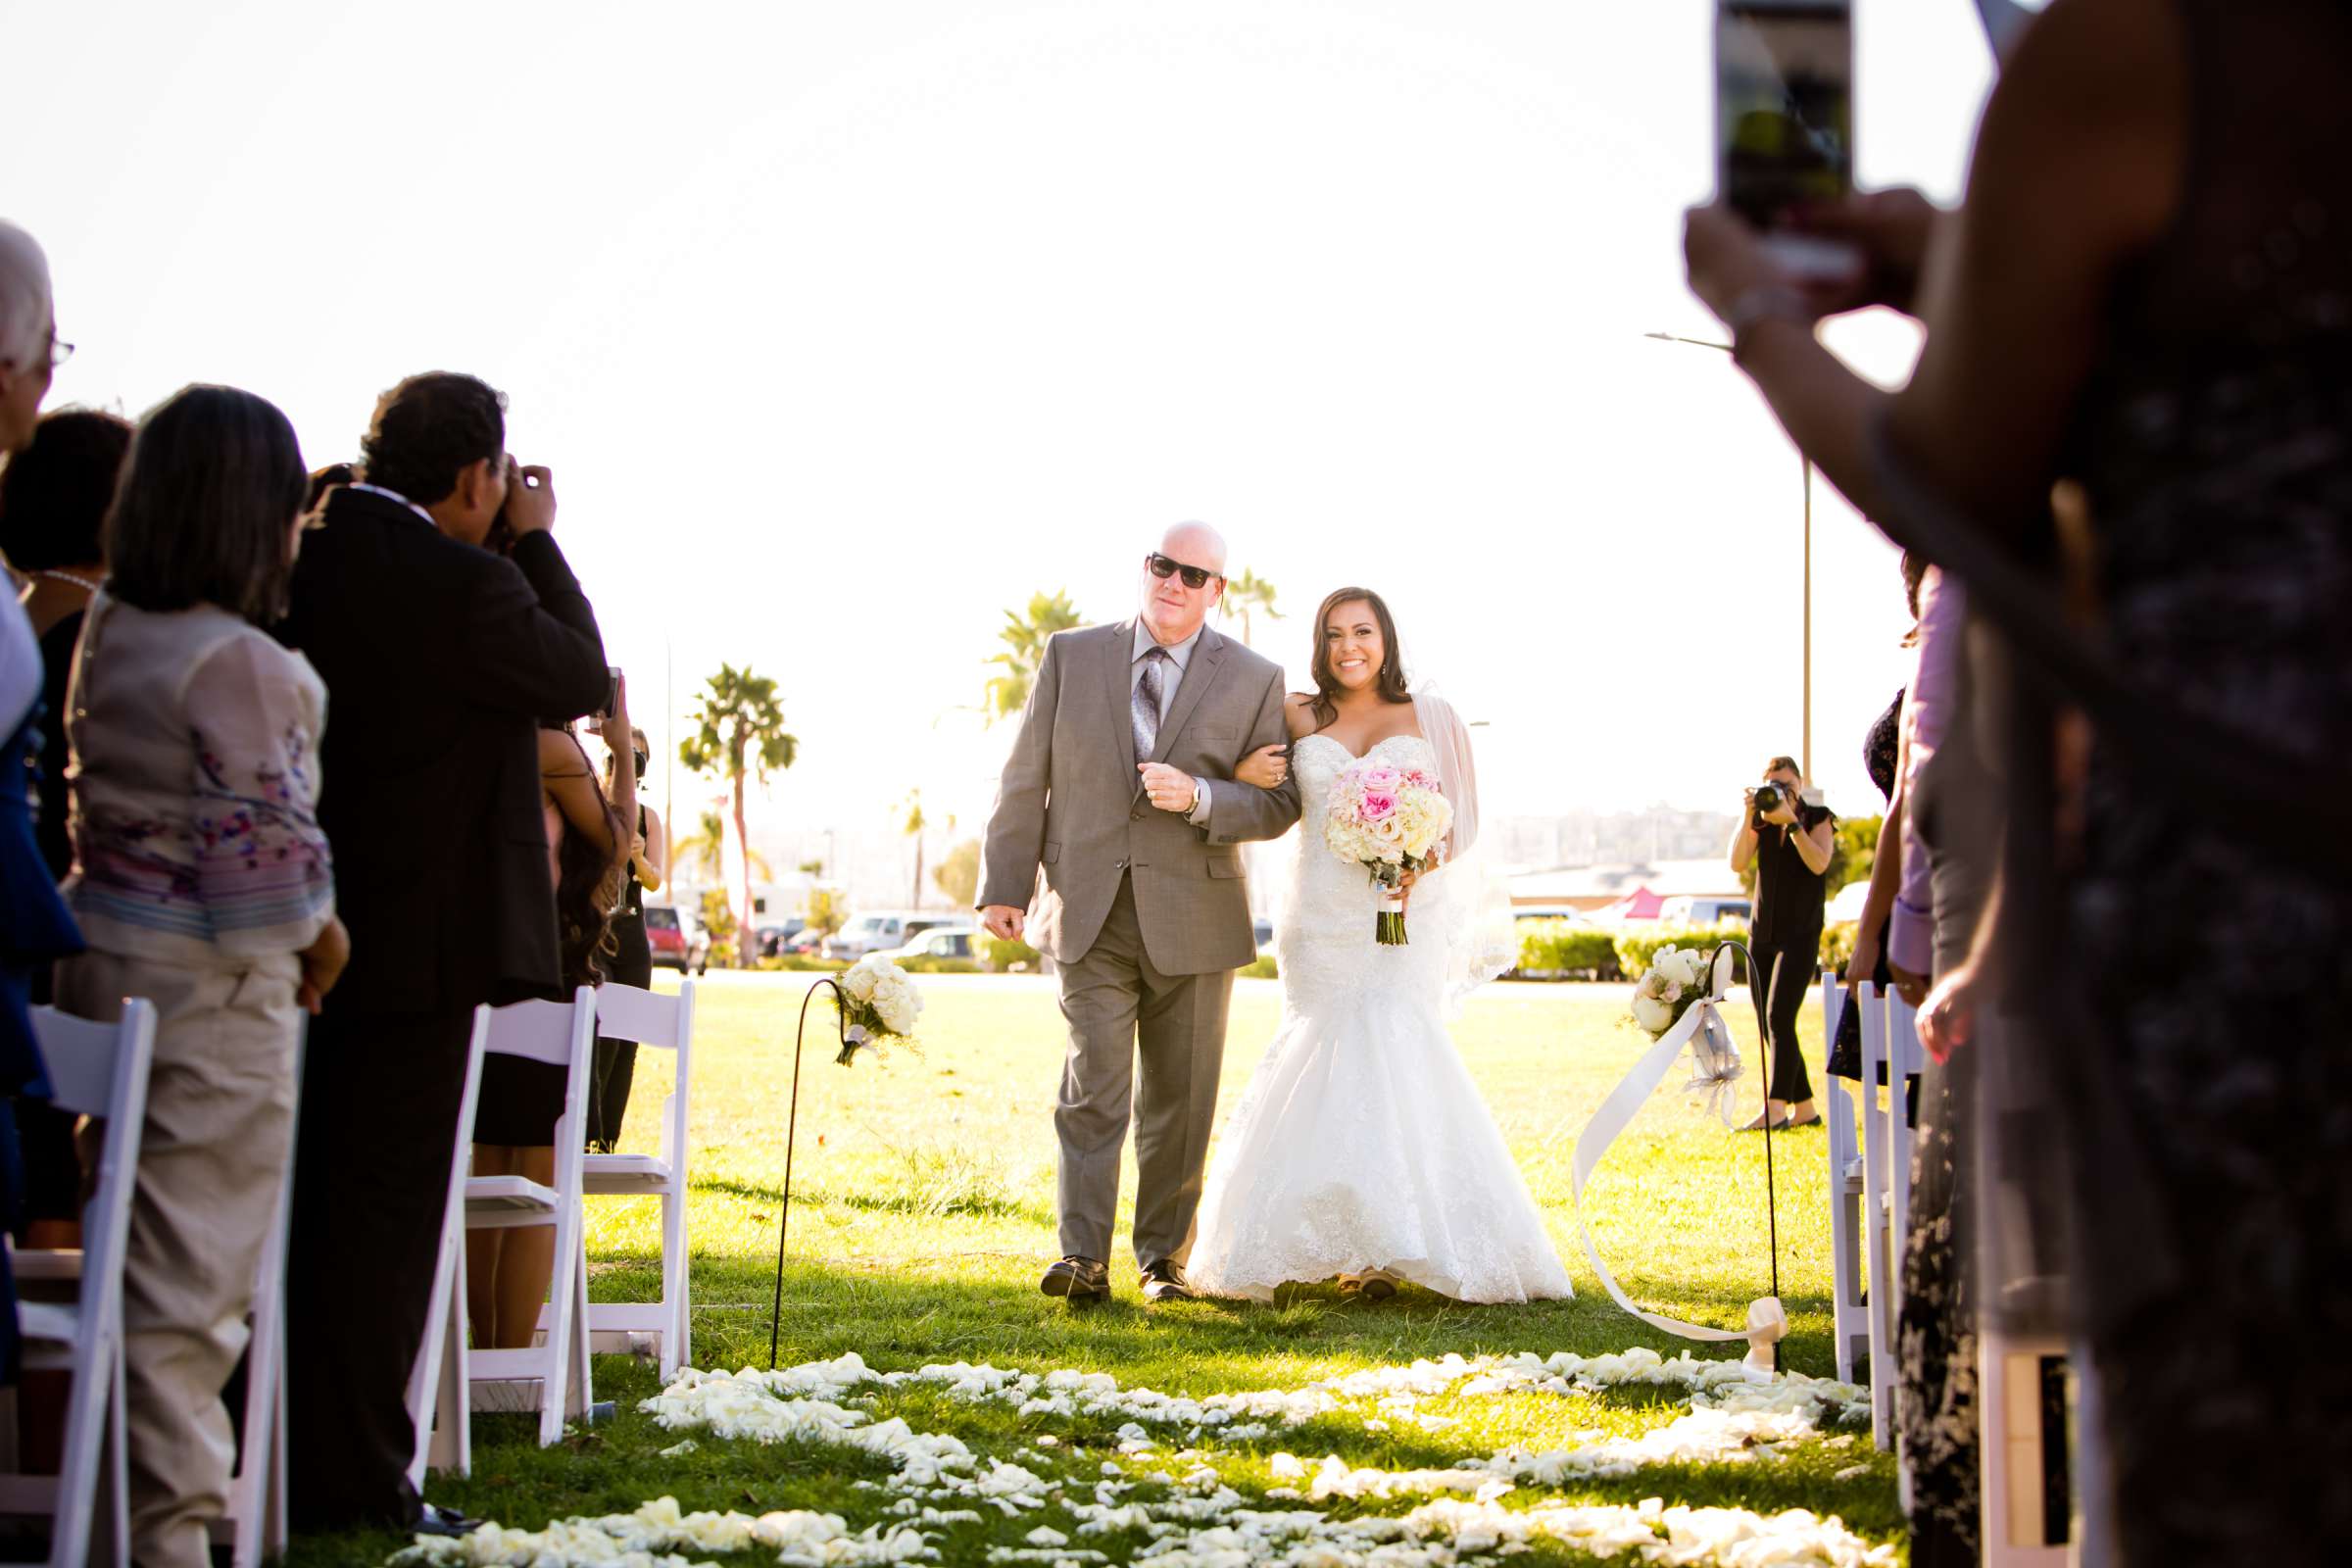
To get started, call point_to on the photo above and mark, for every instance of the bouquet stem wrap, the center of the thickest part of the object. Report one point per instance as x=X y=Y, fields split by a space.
x=1388 y=926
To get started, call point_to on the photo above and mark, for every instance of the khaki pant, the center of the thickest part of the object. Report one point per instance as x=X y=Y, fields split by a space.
x=212 y=1161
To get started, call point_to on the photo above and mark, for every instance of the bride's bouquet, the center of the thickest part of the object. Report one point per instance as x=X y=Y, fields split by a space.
x=1390 y=820
x=881 y=1006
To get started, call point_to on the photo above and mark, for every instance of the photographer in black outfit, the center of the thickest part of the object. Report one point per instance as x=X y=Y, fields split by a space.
x=1788 y=841
x=441 y=659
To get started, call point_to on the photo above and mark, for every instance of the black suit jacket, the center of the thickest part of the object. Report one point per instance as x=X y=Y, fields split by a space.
x=439 y=658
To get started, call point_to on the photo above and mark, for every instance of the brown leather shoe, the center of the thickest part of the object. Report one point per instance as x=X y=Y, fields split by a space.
x=1080 y=1279
x=1164 y=1281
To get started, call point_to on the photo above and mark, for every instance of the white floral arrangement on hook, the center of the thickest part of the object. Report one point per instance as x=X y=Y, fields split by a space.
x=1674 y=983
x=878 y=1004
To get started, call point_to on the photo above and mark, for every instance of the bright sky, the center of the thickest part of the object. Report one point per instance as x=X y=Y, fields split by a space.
x=846 y=326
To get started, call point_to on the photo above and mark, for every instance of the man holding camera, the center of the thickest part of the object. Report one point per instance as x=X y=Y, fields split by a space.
x=1788 y=841
x=441 y=655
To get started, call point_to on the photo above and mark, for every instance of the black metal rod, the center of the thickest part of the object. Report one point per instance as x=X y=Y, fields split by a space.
x=792 y=1122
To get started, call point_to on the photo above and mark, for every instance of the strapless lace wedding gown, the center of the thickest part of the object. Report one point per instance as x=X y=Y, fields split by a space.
x=1361 y=1141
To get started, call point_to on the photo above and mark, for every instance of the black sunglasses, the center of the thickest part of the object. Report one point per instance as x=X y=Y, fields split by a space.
x=1193 y=577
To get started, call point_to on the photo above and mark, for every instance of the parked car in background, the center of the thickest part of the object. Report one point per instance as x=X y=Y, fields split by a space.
x=1692 y=910
x=809 y=943
x=1263 y=930
x=882 y=931
x=1547 y=911
x=775 y=934
x=678 y=940
x=939 y=942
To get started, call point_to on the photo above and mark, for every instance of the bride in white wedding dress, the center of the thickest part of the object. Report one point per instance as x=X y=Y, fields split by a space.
x=1361 y=1147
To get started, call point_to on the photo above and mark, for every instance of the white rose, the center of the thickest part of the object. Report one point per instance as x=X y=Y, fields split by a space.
x=1652 y=1016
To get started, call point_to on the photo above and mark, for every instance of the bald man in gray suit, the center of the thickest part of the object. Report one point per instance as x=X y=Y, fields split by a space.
x=1120 y=787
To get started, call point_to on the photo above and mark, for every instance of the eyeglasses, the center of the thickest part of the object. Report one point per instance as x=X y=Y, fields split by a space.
x=1193 y=577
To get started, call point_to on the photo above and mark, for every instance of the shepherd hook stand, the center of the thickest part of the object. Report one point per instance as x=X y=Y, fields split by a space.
x=1772 y=1207
x=841 y=1017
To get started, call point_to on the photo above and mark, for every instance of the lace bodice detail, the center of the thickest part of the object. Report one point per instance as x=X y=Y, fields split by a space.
x=1323 y=929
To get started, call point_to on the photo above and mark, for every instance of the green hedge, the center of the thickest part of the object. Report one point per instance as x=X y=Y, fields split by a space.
x=800 y=962
x=1261 y=969
x=1837 y=945
x=1636 y=946
x=935 y=964
x=1567 y=947
x=1002 y=955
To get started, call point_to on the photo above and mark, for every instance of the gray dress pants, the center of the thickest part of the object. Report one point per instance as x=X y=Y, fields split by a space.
x=1122 y=1010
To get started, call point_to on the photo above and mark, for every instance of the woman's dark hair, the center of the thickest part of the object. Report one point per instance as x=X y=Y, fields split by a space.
x=587 y=890
x=54 y=494
x=430 y=429
x=334 y=477
x=206 y=507
x=1393 y=687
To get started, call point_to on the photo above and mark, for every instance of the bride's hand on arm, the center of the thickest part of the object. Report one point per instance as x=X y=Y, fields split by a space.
x=1266 y=768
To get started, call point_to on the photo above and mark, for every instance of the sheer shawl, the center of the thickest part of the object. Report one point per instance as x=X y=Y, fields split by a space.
x=1464 y=902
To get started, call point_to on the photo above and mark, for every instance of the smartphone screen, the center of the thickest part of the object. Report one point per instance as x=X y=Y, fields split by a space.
x=1783 y=103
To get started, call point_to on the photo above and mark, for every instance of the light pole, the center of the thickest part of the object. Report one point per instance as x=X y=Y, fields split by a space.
x=1808 y=758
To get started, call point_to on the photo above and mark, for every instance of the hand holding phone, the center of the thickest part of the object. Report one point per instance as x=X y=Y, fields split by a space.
x=1785 y=124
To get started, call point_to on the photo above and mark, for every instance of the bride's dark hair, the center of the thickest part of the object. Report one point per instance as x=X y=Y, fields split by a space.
x=1392 y=688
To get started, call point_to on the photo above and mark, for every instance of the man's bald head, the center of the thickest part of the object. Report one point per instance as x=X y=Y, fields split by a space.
x=1194 y=544
x=1173 y=608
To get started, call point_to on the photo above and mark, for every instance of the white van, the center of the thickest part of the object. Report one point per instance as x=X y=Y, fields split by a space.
x=883 y=931
x=1690 y=909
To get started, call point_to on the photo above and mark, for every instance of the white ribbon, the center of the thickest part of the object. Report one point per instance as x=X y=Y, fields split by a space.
x=1715 y=1062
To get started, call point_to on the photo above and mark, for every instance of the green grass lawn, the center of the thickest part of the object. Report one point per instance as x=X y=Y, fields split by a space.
x=923 y=1211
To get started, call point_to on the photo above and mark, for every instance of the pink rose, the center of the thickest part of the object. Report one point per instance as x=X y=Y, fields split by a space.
x=1378 y=805
x=1384 y=780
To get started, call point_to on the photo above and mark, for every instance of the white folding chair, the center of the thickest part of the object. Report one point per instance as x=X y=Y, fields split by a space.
x=95 y=1070
x=564 y=1036
x=1891 y=1050
x=438 y=1381
x=663 y=1023
x=1849 y=1311
x=254 y=1524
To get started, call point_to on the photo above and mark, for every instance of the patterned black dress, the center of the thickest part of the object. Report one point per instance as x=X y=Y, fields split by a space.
x=2216 y=452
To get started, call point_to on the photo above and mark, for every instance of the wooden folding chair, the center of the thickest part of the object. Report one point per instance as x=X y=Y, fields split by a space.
x=662 y=1023
x=438 y=1379
x=95 y=1070
x=554 y=1371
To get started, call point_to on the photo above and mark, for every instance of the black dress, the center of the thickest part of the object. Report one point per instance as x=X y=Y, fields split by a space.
x=1786 y=942
x=1882 y=750
x=2215 y=447
x=52 y=1164
x=632 y=965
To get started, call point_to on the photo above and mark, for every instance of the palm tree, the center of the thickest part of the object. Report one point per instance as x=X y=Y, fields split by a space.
x=1024 y=637
x=1249 y=592
x=741 y=735
x=913 y=828
x=707 y=850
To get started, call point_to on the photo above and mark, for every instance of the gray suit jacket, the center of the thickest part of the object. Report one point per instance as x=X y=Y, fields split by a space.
x=1072 y=803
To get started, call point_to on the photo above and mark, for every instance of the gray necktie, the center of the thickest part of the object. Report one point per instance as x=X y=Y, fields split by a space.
x=1144 y=708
